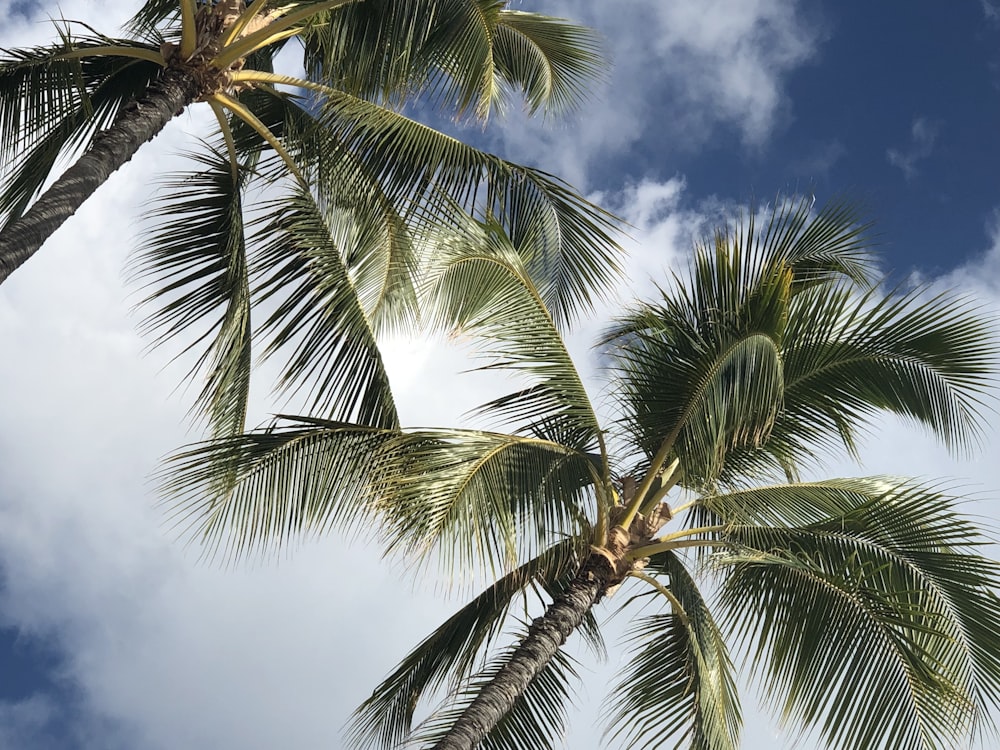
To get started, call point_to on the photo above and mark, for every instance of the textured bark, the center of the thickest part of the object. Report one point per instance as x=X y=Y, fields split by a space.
x=136 y=123
x=545 y=636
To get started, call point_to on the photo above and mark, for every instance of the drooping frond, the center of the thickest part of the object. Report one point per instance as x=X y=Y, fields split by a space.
x=464 y=56
x=476 y=497
x=573 y=257
x=305 y=478
x=479 y=286
x=679 y=688
x=866 y=605
x=329 y=276
x=450 y=654
x=52 y=106
x=194 y=262
x=931 y=360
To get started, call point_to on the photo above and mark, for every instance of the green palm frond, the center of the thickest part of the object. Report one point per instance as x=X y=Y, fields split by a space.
x=885 y=566
x=307 y=477
x=329 y=276
x=194 y=260
x=481 y=497
x=571 y=253
x=464 y=56
x=451 y=653
x=679 y=687
x=536 y=720
x=52 y=106
x=931 y=360
x=551 y=61
x=479 y=286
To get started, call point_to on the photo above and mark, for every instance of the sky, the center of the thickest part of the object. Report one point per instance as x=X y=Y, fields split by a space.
x=113 y=635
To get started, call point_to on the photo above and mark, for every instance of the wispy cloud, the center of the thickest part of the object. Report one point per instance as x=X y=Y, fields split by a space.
x=923 y=136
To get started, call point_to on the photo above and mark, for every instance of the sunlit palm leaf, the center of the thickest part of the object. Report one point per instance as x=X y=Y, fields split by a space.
x=479 y=497
x=451 y=652
x=194 y=260
x=319 y=319
x=305 y=478
x=572 y=255
x=479 y=287
x=886 y=567
x=679 y=689
x=51 y=107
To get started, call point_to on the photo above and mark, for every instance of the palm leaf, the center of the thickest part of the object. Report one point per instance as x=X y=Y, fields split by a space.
x=329 y=277
x=480 y=497
x=479 y=286
x=573 y=257
x=52 y=107
x=194 y=259
x=679 y=686
x=886 y=567
x=309 y=476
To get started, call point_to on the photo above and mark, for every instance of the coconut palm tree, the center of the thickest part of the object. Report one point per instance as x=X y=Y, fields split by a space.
x=349 y=182
x=862 y=605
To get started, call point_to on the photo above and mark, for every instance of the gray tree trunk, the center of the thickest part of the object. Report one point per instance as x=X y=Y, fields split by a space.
x=546 y=634
x=136 y=123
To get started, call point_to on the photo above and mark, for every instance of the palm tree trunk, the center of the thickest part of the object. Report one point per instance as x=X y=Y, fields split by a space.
x=137 y=122
x=546 y=634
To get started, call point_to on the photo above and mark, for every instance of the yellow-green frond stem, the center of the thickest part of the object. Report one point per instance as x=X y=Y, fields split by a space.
x=675 y=603
x=189 y=33
x=655 y=467
x=280 y=28
x=261 y=129
x=677 y=540
x=245 y=18
x=113 y=50
x=669 y=478
x=276 y=79
x=227 y=135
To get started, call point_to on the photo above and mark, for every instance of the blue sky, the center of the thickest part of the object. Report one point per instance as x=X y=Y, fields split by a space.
x=112 y=636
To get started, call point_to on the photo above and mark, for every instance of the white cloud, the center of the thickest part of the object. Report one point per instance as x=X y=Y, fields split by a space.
x=923 y=135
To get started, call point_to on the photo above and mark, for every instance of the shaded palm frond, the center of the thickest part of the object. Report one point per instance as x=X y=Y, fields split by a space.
x=679 y=687
x=885 y=566
x=479 y=286
x=52 y=107
x=570 y=252
x=479 y=497
x=329 y=276
x=194 y=261
x=450 y=654
x=307 y=477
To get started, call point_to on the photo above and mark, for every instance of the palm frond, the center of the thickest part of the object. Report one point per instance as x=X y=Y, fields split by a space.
x=307 y=477
x=329 y=276
x=679 y=687
x=478 y=286
x=887 y=567
x=573 y=256
x=194 y=259
x=480 y=497
x=52 y=106
x=452 y=651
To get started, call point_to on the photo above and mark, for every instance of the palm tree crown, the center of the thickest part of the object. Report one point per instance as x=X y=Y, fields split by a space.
x=314 y=200
x=862 y=605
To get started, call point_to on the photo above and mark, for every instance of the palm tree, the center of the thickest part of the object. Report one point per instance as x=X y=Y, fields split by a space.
x=861 y=604
x=312 y=200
